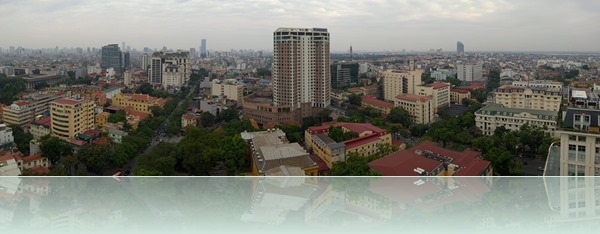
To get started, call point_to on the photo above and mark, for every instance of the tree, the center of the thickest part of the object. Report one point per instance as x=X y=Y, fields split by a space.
x=120 y=116
x=399 y=115
x=310 y=121
x=229 y=115
x=337 y=134
x=503 y=162
x=418 y=130
x=145 y=88
x=54 y=148
x=207 y=119
x=71 y=74
x=292 y=132
x=21 y=138
x=324 y=115
x=40 y=86
x=10 y=88
x=355 y=99
x=261 y=72
x=95 y=157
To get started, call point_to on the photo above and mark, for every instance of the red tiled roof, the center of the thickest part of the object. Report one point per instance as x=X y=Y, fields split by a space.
x=93 y=132
x=101 y=141
x=356 y=142
x=115 y=108
x=402 y=163
x=397 y=143
x=463 y=91
x=21 y=103
x=320 y=162
x=189 y=116
x=39 y=170
x=77 y=142
x=32 y=157
x=371 y=99
x=354 y=127
x=438 y=85
x=66 y=101
x=413 y=98
x=47 y=121
x=7 y=157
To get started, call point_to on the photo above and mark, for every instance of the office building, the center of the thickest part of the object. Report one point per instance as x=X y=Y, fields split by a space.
x=203 y=52
x=139 y=102
x=111 y=57
x=469 y=72
x=400 y=82
x=458 y=95
x=231 y=89
x=127 y=77
x=460 y=48
x=145 y=62
x=439 y=92
x=22 y=112
x=492 y=116
x=170 y=69
x=535 y=98
x=420 y=108
x=580 y=143
x=343 y=74
x=126 y=60
x=71 y=117
x=370 y=101
x=193 y=53
x=443 y=74
x=155 y=71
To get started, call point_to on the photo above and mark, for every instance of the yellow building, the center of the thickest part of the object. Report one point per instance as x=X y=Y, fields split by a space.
x=440 y=93
x=139 y=102
x=270 y=149
x=547 y=99
x=400 y=82
x=101 y=119
x=366 y=144
x=189 y=120
x=372 y=102
x=420 y=108
x=70 y=117
x=457 y=95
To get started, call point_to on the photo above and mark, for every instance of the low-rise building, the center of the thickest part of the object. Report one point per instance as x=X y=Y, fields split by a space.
x=6 y=135
x=41 y=127
x=429 y=159
x=188 y=119
x=372 y=102
x=366 y=144
x=9 y=166
x=419 y=107
x=458 y=95
x=439 y=92
x=580 y=143
x=230 y=88
x=139 y=102
x=271 y=149
x=101 y=119
x=492 y=116
x=400 y=82
x=542 y=84
x=116 y=135
x=529 y=98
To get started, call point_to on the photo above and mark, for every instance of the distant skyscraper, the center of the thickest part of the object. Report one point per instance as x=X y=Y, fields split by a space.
x=155 y=71
x=460 y=48
x=111 y=57
x=145 y=62
x=203 y=48
x=193 y=52
x=123 y=46
x=469 y=72
x=126 y=60
x=301 y=76
x=343 y=74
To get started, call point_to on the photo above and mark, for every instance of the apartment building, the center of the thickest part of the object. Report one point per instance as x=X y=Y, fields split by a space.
x=400 y=82
x=492 y=116
x=469 y=71
x=420 y=107
x=230 y=88
x=330 y=151
x=24 y=111
x=534 y=98
x=6 y=135
x=439 y=92
x=139 y=102
x=71 y=117
x=580 y=143
x=41 y=127
x=541 y=84
x=457 y=95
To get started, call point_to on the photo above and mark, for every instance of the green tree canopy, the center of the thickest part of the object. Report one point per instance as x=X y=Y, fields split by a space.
x=54 y=148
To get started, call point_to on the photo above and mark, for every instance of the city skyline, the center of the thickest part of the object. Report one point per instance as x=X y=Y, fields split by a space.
x=507 y=25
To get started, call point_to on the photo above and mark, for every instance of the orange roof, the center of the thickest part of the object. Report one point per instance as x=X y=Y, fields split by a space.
x=463 y=91
x=44 y=121
x=7 y=157
x=101 y=141
x=438 y=85
x=68 y=101
x=39 y=170
x=370 y=99
x=189 y=116
x=413 y=98
x=77 y=142
x=32 y=157
x=21 y=103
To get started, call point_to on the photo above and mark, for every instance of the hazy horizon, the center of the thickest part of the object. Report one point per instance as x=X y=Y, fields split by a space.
x=373 y=26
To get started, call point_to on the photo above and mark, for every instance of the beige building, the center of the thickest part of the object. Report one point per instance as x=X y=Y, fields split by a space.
x=440 y=93
x=188 y=120
x=492 y=116
x=580 y=143
x=101 y=119
x=139 y=102
x=535 y=98
x=40 y=127
x=71 y=117
x=230 y=88
x=400 y=82
x=457 y=95
x=420 y=107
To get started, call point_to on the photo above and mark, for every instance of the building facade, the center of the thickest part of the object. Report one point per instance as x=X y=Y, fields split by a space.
x=6 y=135
x=400 y=82
x=370 y=101
x=580 y=143
x=112 y=57
x=457 y=95
x=548 y=99
x=301 y=70
x=343 y=74
x=469 y=72
x=139 y=102
x=230 y=88
x=71 y=117
x=439 y=92
x=420 y=108
x=492 y=116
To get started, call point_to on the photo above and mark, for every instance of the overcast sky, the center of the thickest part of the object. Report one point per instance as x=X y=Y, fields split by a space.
x=379 y=25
